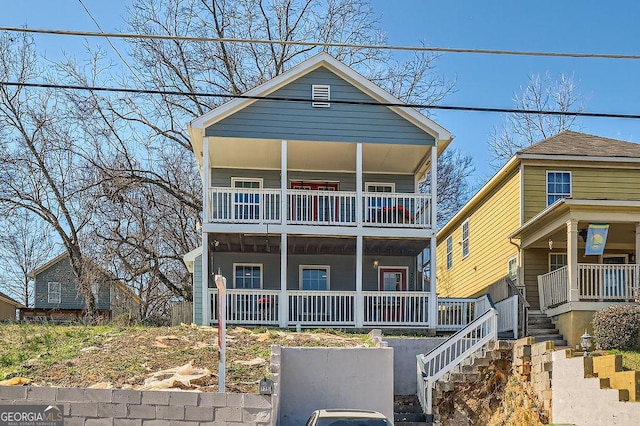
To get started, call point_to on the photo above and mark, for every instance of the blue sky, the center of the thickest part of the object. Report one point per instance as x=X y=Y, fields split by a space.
x=586 y=26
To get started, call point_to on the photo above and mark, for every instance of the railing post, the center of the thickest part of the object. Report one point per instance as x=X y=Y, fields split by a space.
x=572 y=261
x=283 y=313
x=515 y=316
x=359 y=318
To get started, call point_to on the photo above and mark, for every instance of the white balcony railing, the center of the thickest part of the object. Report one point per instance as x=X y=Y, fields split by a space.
x=307 y=207
x=453 y=314
x=401 y=308
x=248 y=306
x=323 y=308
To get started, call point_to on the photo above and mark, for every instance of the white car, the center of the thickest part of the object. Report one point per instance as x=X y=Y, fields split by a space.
x=334 y=417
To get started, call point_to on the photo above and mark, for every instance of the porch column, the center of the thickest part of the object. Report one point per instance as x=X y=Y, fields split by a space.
x=433 y=298
x=637 y=252
x=359 y=296
x=359 y=186
x=284 y=164
x=283 y=306
x=206 y=183
x=572 y=260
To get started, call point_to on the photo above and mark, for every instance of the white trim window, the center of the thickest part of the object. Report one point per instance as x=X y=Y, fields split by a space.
x=246 y=205
x=557 y=261
x=314 y=277
x=512 y=269
x=558 y=186
x=54 y=292
x=247 y=275
x=379 y=187
x=465 y=238
x=450 y=252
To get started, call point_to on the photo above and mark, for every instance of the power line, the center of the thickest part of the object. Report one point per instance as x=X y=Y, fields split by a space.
x=319 y=44
x=345 y=102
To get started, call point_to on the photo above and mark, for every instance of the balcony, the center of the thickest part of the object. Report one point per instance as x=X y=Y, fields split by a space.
x=323 y=208
x=596 y=282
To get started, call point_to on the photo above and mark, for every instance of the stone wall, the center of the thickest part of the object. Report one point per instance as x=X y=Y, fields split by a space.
x=533 y=363
x=98 y=407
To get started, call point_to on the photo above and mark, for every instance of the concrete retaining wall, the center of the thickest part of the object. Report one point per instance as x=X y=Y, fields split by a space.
x=313 y=378
x=98 y=407
x=405 y=350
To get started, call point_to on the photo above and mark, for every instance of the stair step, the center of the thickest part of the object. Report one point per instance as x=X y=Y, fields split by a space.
x=544 y=332
x=541 y=326
x=413 y=423
x=408 y=417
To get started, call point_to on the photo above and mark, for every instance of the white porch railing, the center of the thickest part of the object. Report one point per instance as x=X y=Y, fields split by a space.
x=596 y=282
x=313 y=207
x=553 y=288
x=453 y=314
x=323 y=308
x=508 y=315
x=396 y=308
x=442 y=359
x=247 y=306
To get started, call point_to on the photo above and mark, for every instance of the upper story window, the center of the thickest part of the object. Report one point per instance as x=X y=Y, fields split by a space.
x=254 y=183
x=246 y=204
x=54 y=292
x=450 y=252
x=321 y=95
x=379 y=187
x=247 y=275
x=465 y=238
x=558 y=186
x=557 y=261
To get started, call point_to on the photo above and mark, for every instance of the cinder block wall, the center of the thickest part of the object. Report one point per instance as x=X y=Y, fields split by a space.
x=98 y=407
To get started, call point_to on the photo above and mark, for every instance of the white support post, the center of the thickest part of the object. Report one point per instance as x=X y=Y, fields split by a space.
x=206 y=183
x=359 y=186
x=284 y=197
x=636 y=285
x=359 y=295
x=433 y=298
x=637 y=251
x=514 y=313
x=221 y=284
x=572 y=260
x=283 y=307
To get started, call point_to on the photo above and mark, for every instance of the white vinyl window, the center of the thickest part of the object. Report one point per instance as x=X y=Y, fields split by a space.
x=512 y=269
x=557 y=261
x=450 y=252
x=465 y=238
x=379 y=187
x=54 y=292
x=558 y=186
x=314 y=277
x=321 y=95
x=247 y=275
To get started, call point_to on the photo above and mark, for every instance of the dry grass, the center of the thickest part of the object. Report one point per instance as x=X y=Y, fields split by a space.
x=81 y=356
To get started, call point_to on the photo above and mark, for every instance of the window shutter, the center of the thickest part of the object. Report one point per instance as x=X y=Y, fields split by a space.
x=321 y=95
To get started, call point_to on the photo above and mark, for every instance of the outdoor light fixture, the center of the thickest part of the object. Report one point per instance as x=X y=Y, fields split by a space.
x=550 y=244
x=376 y=263
x=586 y=340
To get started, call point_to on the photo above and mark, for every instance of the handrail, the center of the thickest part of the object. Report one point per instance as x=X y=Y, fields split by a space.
x=525 y=307
x=447 y=355
x=517 y=291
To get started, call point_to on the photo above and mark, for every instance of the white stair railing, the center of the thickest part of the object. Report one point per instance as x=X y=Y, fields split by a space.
x=450 y=353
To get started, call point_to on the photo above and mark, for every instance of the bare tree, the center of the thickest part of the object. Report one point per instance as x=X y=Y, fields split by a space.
x=39 y=172
x=521 y=130
x=25 y=245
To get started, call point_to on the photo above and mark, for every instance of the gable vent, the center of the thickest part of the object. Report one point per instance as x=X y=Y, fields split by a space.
x=321 y=95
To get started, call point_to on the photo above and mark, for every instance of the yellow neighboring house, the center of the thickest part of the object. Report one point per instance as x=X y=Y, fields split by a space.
x=540 y=219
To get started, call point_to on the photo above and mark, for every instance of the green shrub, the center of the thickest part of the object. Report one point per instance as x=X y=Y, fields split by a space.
x=617 y=327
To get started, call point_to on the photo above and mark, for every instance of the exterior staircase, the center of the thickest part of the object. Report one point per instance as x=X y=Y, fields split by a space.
x=408 y=412
x=539 y=325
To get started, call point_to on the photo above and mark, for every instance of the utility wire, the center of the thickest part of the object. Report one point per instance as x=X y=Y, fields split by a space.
x=345 y=102
x=318 y=44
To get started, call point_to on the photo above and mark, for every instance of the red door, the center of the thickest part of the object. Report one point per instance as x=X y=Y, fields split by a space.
x=316 y=208
x=392 y=279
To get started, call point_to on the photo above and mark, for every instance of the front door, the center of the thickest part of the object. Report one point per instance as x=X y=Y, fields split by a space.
x=315 y=208
x=392 y=279
x=614 y=278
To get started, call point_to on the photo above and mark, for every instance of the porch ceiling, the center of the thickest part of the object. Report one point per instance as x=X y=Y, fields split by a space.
x=318 y=156
x=261 y=243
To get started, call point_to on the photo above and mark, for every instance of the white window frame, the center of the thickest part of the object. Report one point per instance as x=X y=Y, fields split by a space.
x=391 y=185
x=259 y=265
x=243 y=179
x=449 y=252
x=325 y=267
x=320 y=95
x=558 y=254
x=465 y=240
x=51 y=293
x=546 y=187
x=514 y=277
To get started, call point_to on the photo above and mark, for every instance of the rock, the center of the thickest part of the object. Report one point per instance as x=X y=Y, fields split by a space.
x=15 y=381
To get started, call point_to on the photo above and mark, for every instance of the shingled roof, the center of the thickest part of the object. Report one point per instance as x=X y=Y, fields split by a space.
x=581 y=144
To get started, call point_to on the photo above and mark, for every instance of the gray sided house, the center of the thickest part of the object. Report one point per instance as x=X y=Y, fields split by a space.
x=57 y=296
x=312 y=210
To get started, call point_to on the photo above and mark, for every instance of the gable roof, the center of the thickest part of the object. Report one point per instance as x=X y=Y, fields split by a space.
x=570 y=143
x=197 y=126
x=11 y=301
x=47 y=265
